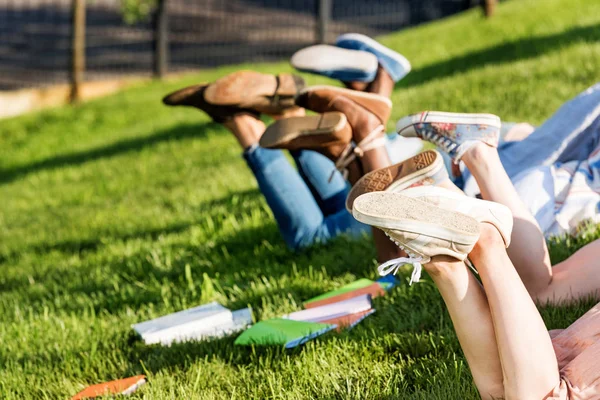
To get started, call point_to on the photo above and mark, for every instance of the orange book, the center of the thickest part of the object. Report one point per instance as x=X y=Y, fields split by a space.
x=120 y=386
x=348 y=321
x=373 y=289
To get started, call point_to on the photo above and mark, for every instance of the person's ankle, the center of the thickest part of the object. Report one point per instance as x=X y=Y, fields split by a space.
x=246 y=128
x=442 y=266
x=489 y=239
x=477 y=153
x=383 y=84
x=366 y=123
x=359 y=86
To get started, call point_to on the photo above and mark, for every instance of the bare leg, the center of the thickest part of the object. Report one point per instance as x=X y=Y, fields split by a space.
x=246 y=128
x=467 y=303
x=528 y=250
x=575 y=278
x=519 y=132
x=360 y=86
x=383 y=83
x=528 y=360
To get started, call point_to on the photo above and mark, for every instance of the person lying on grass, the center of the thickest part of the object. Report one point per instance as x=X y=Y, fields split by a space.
x=472 y=139
x=308 y=202
x=554 y=167
x=509 y=351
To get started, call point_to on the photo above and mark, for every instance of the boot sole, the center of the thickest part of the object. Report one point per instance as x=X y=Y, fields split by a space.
x=405 y=126
x=395 y=211
x=396 y=177
x=285 y=130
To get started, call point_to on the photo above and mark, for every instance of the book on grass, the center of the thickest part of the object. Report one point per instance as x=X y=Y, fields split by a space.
x=282 y=332
x=241 y=319
x=113 y=388
x=348 y=321
x=332 y=311
x=355 y=289
x=208 y=320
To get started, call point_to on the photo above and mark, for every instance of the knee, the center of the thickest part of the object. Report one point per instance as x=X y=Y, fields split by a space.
x=489 y=239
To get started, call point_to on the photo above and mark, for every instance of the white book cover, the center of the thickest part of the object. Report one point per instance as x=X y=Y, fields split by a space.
x=241 y=320
x=335 y=310
x=183 y=322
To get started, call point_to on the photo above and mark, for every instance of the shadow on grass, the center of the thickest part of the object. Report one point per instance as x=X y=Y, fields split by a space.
x=506 y=52
x=81 y=246
x=123 y=146
x=242 y=257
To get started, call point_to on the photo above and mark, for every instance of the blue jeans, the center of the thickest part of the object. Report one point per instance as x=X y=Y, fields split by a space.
x=307 y=207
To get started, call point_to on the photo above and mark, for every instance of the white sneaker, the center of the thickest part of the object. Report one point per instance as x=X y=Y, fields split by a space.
x=483 y=211
x=419 y=228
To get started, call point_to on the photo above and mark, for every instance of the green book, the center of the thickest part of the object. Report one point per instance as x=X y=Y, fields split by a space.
x=282 y=332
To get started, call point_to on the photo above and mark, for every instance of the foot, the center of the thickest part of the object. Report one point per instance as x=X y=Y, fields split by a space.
x=452 y=132
x=426 y=168
x=336 y=63
x=395 y=64
x=242 y=91
x=483 y=211
x=417 y=227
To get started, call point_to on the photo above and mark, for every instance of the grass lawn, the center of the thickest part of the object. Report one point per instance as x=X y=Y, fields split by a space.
x=121 y=209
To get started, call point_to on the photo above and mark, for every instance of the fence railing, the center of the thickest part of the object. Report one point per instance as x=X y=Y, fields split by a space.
x=44 y=42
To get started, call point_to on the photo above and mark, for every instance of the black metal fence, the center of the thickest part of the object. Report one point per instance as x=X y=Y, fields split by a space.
x=36 y=35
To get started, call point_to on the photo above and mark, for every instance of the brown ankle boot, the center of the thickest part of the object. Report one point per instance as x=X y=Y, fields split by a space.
x=193 y=96
x=321 y=99
x=328 y=133
x=241 y=92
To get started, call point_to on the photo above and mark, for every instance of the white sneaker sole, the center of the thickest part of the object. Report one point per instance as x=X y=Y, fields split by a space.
x=379 y=47
x=324 y=57
x=395 y=211
x=496 y=213
x=405 y=126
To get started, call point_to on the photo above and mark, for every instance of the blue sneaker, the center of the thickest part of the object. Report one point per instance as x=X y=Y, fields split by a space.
x=336 y=63
x=394 y=63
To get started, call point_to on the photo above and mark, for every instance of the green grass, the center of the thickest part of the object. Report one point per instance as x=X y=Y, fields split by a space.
x=120 y=210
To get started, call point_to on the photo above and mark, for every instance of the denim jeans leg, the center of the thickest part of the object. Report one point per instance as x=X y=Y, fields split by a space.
x=300 y=220
x=316 y=170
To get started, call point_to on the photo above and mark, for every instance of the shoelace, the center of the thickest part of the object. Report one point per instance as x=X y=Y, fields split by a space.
x=392 y=266
x=442 y=141
x=416 y=260
x=370 y=142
